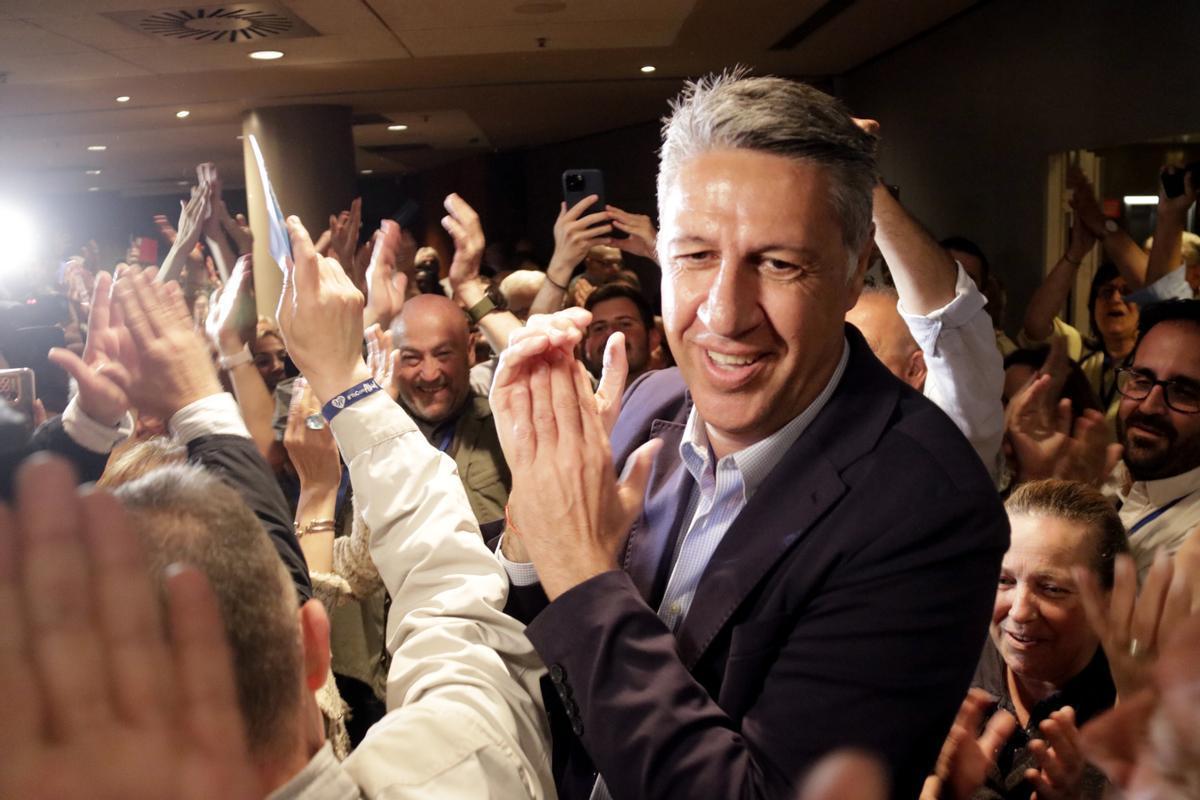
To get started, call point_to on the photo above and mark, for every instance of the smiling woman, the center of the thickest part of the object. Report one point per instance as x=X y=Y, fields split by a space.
x=1043 y=655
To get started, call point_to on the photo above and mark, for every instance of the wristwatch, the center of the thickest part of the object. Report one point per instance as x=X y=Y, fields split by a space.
x=1111 y=226
x=481 y=309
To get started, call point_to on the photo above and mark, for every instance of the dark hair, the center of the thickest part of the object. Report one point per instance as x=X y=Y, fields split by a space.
x=1168 y=311
x=1076 y=387
x=965 y=245
x=1080 y=503
x=1107 y=272
x=615 y=289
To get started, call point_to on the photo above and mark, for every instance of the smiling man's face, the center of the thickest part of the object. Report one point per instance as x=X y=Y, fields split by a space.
x=755 y=288
x=1159 y=441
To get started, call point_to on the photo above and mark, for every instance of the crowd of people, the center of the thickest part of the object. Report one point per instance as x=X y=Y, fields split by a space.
x=811 y=527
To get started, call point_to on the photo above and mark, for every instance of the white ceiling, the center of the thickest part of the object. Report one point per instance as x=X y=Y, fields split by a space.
x=462 y=74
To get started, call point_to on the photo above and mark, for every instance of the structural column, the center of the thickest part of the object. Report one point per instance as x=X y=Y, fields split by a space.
x=309 y=152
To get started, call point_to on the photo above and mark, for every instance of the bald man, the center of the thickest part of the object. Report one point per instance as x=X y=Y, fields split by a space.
x=876 y=317
x=432 y=336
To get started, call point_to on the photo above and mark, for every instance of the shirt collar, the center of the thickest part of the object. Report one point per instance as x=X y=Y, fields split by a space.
x=1162 y=491
x=756 y=461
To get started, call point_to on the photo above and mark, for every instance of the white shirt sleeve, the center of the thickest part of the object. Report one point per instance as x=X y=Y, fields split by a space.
x=1172 y=286
x=92 y=435
x=208 y=416
x=462 y=671
x=964 y=369
x=519 y=573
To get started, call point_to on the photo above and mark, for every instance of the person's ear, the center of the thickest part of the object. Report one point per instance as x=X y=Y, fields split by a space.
x=472 y=341
x=916 y=370
x=314 y=636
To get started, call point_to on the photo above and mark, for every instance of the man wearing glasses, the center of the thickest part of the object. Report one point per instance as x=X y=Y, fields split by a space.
x=1159 y=427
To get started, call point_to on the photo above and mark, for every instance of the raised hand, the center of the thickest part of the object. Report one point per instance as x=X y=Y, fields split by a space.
x=963 y=764
x=643 y=238
x=1047 y=445
x=107 y=699
x=575 y=233
x=386 y=286
x=1084 y=203
x=170 y=365
x=103 y=382
x=383 y=360
x=166 y=228
x=1132 y=625
x=462 y=223
x=317 y=289
x=567 y=509
x=232 y=316
x=344 y=230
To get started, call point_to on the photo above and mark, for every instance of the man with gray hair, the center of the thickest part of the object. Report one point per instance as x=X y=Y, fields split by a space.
x=758 y=588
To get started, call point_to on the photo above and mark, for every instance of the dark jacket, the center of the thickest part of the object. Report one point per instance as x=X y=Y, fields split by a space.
x=845 y=607
x=1090 y=693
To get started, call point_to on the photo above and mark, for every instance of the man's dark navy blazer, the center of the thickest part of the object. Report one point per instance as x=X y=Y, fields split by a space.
x=846 y=606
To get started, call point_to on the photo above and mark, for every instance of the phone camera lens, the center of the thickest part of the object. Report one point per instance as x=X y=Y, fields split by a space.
x=574 y=182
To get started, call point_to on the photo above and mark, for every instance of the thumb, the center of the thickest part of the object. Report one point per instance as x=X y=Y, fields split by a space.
x=631 y=490
x=612 y=380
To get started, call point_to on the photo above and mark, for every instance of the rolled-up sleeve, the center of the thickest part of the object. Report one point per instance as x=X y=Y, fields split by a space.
x=964 y=369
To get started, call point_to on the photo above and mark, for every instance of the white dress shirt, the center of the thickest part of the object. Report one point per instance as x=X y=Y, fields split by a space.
x=964 y=370
x=1158 y=515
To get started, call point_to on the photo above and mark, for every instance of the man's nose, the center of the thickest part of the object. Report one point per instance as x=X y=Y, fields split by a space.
x=1155 y=402
x=731 y=307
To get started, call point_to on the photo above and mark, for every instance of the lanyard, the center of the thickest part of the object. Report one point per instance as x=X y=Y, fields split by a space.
x=1156 y=513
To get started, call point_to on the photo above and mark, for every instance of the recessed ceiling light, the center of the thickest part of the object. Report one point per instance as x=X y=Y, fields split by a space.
x=93 y=172
x=239 y=137
x=123 y=98
x=181 y=183
x=183 y=114
x=648 y=68
x=93 y=188
x=96 y=148
x=397 y=127
x=366 y=171
x=266 y=55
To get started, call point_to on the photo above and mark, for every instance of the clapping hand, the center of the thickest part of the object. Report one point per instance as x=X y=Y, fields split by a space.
x=103 y=382
x=966 y=756
x=462 y=223
x=1060 y=770
x=169 y=364
x=383 y=360
x=1131 y=624
x=386 y=286
x=232 y=318
x=311 y=449
x=568 y=513
x=106 y=699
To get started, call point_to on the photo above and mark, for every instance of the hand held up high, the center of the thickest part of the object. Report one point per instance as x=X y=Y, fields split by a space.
x=316 y=288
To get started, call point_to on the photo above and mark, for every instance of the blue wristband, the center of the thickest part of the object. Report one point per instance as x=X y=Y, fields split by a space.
x=349 y=397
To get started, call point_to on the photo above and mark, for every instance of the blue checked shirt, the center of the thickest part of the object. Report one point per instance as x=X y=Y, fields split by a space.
x=720 y=494
x=717 y=497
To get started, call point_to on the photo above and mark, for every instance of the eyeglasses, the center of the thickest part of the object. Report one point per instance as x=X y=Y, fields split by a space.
x=1181 y=396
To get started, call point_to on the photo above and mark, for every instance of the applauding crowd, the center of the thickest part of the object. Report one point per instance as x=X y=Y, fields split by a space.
x=802 y=524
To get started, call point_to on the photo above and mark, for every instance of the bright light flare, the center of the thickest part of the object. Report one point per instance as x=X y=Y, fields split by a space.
x=19 y=237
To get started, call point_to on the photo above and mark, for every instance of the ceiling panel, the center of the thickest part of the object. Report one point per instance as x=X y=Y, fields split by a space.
x=410 y=15
x=516 y=39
